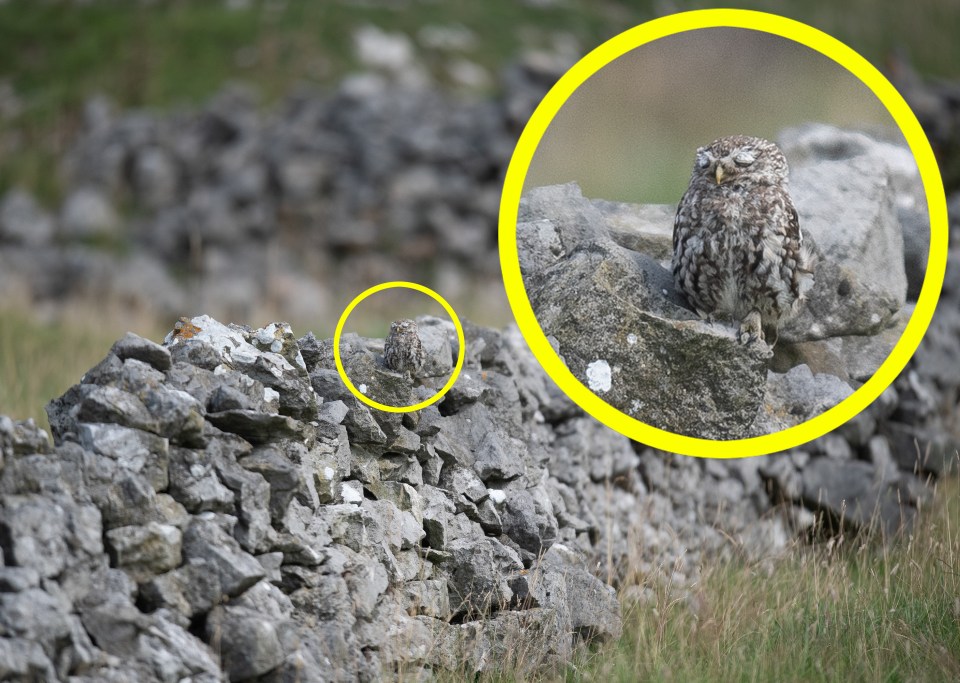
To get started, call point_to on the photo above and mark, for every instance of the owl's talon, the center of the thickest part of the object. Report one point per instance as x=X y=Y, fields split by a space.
x=737 y=243
x=750 y=329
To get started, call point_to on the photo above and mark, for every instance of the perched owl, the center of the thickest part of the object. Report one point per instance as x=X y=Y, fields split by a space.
x=403 y=350
x=737 y=248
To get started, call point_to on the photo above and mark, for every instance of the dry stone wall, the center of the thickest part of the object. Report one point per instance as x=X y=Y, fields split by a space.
x=218 y=507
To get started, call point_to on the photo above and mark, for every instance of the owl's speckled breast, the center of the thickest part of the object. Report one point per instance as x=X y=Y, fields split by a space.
x=737 y=242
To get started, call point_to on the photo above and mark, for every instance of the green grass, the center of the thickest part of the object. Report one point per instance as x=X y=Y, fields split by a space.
x=851 y=610
x=40 y=360
x=847 y=611
x=165 y=54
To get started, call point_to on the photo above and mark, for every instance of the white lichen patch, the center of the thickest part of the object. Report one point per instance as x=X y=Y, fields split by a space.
x=874 y=319
x=350 y=494
x=631 y=339
x=362 y=389
x=599 y=376
x=230 y=342
x=267 y=335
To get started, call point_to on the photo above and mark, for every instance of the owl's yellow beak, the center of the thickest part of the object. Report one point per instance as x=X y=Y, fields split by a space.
x=719 y=174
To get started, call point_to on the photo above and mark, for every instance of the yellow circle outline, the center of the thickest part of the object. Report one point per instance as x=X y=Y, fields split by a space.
x=839 y=53
x=399 y=284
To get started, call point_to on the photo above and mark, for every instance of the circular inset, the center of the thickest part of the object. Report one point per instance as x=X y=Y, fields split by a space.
x=399 y=284
x=535 y=130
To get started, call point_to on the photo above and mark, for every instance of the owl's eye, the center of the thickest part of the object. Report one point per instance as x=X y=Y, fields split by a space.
x=703 y=159
x=744 y=159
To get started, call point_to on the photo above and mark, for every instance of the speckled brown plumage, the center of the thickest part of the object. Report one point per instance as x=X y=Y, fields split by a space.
x=403 y=350
x=737 y=246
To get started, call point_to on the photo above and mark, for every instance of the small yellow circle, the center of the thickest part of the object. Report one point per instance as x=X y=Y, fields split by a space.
x=399 y=285
x=616 y=47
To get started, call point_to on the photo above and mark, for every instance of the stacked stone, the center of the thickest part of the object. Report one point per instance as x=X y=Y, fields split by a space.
x=228 y=205
x=598 y=277
x=220 y=506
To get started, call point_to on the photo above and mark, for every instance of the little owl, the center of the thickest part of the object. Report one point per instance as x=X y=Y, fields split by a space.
x=737 y=248
x=403 y=350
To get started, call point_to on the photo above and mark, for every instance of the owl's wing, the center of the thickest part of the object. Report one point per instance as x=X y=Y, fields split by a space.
x=681 y=228
x=793 y=222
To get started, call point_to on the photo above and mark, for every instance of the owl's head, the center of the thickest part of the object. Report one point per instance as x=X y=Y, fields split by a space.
x=404 y=325
x=739 y=157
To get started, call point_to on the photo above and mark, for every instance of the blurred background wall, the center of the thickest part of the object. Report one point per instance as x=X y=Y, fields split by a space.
x=630 y=132
x=269 y=159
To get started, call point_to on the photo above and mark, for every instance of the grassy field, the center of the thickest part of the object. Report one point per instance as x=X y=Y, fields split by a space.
x=39 y=360
x=847 y=610
x=843 y=611
x=163 y=54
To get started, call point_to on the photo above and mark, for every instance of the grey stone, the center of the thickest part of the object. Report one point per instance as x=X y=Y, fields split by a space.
x=22 y=659
x=451 y=449
x=22 y=221
x=164 y=649
x=115 y=406
x=251 y=497
x=352 y=526
x=463 y=482
x=429 y=598
x=466 y=390
x=593 y=605
x=783 y=480
x=863 y=355
x=881 y=456
x=498 y=457
x=145 y=551
x=33 y=534
x=33 y=617
x=283 y=476
x=405 y=442
x=257 y=427
x=852 y=493
x=135 y=346
x=438 y=356
x=921 y=449
x=140 y=452
x=528 y=520
x=646 y=228
x=16 y=579
x=194 y=482
x=155 y=177
x=405 y=469
x=333 y=412
x=466 y=528
x=834 y=446
x=797 y=396
x=87 y=213
x=236 y=570
x=22 y=437
x=271 y=563
x=438 y=516
x=860 y=282
x=812 y=143
x=190 y=589
x=599 y=287
x=249 y=644
x=478 y=573
x=266 y=599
